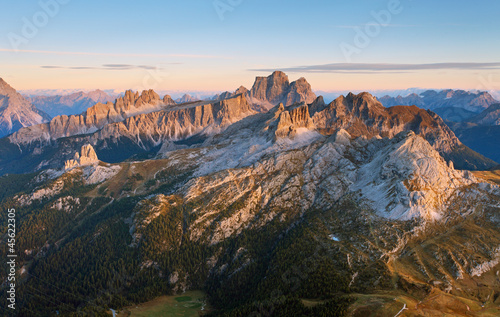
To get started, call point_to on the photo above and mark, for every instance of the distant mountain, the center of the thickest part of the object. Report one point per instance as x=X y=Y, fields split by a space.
x=74 y=103
x=454 y=114
x=481 y=132
x=186 y=98
x=490 y=116
x=452 y=105
x=16 y=112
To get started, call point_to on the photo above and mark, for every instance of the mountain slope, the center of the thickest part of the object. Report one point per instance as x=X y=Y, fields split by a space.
x=16 y=112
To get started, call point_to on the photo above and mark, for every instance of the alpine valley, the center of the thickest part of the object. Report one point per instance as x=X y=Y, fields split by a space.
x=269 y=200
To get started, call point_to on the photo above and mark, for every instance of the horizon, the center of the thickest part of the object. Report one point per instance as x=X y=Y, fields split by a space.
x=217 y=45
x=205 y=94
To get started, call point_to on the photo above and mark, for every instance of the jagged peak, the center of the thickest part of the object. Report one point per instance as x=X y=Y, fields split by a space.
x=86 y=156
x=241 y=90
x=6 y=89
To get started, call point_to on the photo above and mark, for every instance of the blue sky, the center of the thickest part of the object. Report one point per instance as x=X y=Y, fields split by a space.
x=190 y=45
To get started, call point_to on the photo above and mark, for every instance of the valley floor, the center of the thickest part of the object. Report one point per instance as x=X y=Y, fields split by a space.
x=189 y=304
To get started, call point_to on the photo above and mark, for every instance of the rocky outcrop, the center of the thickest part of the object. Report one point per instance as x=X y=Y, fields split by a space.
x=364 y=115
x=293 y=119
x=86 y=156
x=276 y=88
x=16 y=112
x=168 y=101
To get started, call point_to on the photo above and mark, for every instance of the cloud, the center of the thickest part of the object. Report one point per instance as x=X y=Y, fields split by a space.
x=111 y=54
x=385 y=25
x=370 y=68
x=108 y=67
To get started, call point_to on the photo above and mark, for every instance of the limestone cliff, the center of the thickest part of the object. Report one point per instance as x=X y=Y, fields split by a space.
x=86 y=156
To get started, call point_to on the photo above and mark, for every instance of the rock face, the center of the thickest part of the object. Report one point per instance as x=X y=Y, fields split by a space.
x=71 y=104
x=87 y=156
x=168 y=101
x=364 y=115
x=16 y=112
x=177 y=122
x=95 y=118
x=270 y=91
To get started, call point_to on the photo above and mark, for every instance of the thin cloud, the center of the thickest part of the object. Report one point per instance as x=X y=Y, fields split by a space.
x=372 y=24
x=105 y=67
x=384 y=68
x=111 y=54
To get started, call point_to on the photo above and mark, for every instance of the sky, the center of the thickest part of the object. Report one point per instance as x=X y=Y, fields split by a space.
x=218 y=45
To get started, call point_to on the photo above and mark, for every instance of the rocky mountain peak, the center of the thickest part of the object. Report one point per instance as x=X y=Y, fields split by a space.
x=408 y=178
x=5 y=88
x=168 y=101
x=276 y=88
x=86 y=156
x=241 y=90
x=186 y=98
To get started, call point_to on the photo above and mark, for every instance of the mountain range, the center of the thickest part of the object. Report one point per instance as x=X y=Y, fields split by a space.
x=269 y=199
x=139 y=124
x=451 y=105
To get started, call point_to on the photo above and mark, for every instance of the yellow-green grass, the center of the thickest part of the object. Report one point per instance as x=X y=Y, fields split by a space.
x=189 y=304
x=492 y=176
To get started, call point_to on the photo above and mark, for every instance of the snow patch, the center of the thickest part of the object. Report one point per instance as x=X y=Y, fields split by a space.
x=334 y=238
